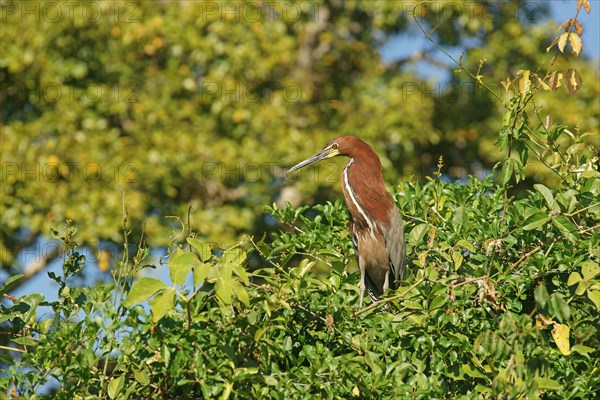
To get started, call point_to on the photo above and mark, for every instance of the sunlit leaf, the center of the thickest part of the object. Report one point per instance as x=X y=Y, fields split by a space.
x=562 y=41
x=560 y=333
x=223 y=290
x=180 y=265
x=594 y=296
x=590 y=269
x=161 y=304
x=143 y=289
x=201 y=272
x=525 y=82
x=115 y=385
x=574 y=278
x=576 y=44
x=203 y=248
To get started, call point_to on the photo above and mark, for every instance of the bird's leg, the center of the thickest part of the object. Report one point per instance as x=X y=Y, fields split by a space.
x=386 y=282
x=362 y=285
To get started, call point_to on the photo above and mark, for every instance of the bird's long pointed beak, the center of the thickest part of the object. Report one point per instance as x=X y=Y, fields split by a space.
x=327 y=152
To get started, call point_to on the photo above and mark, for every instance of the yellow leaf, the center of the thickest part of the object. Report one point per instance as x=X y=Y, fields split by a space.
x=562 y=41
x=573 y=81
x=575 y=42
x=560 y=333
x=356 y=391
x=423 y=257
x=525 y=82
x=542 y=83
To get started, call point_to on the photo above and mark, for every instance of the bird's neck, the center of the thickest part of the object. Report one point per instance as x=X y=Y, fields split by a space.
x=366 y=196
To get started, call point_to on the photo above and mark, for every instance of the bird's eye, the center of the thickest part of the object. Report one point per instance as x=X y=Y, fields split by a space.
x=334 y=146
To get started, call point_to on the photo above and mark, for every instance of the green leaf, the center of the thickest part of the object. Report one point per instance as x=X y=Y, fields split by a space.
x=142 y=377
x=574 y=278
x=143 y=289
x=558 y=307
x=438 y=302
x=473 y=373
x=161 y=304
x=465 y=245
x=240 y=271
x=594 y=296
x=203 y=249
x=223 y=290
x=180 y=265
x=552 y=206
x=25 y=341
x=240 y=292
x=581 y=349
x=201 y=272
x=460 y=216
x=547 y=384
x=416 y=235
x=233 y=257
x=583 y=287
x=457 y=257
x=115 y=386
x=270 y=380
x=565 y=227
x=507 y=171
x=9 y=281
x=540 y=295
x=535 y=221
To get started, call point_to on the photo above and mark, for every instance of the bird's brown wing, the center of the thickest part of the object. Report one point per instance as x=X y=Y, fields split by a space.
x=394 y=243
x=372 y=288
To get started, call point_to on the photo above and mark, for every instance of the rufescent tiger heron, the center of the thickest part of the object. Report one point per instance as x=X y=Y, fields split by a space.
x=375 y=224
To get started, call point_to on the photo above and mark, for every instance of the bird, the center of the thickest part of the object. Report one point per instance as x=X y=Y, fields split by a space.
x=375 y=224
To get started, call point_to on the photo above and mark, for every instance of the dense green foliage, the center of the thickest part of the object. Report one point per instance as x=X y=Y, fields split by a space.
x=491 y=288
x=502 y=297
x=203 y=103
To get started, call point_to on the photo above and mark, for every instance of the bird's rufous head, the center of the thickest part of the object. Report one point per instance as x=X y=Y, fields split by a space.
x=348 y=146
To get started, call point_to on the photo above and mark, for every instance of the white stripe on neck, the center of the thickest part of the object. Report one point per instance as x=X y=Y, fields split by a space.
x=355 y=202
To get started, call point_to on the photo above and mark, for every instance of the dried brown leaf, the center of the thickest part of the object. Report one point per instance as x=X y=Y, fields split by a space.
x=554 y=80
x=585 y=4
x=578 y=28
x=566 y=26
x=541 y=321
x=573 y=80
